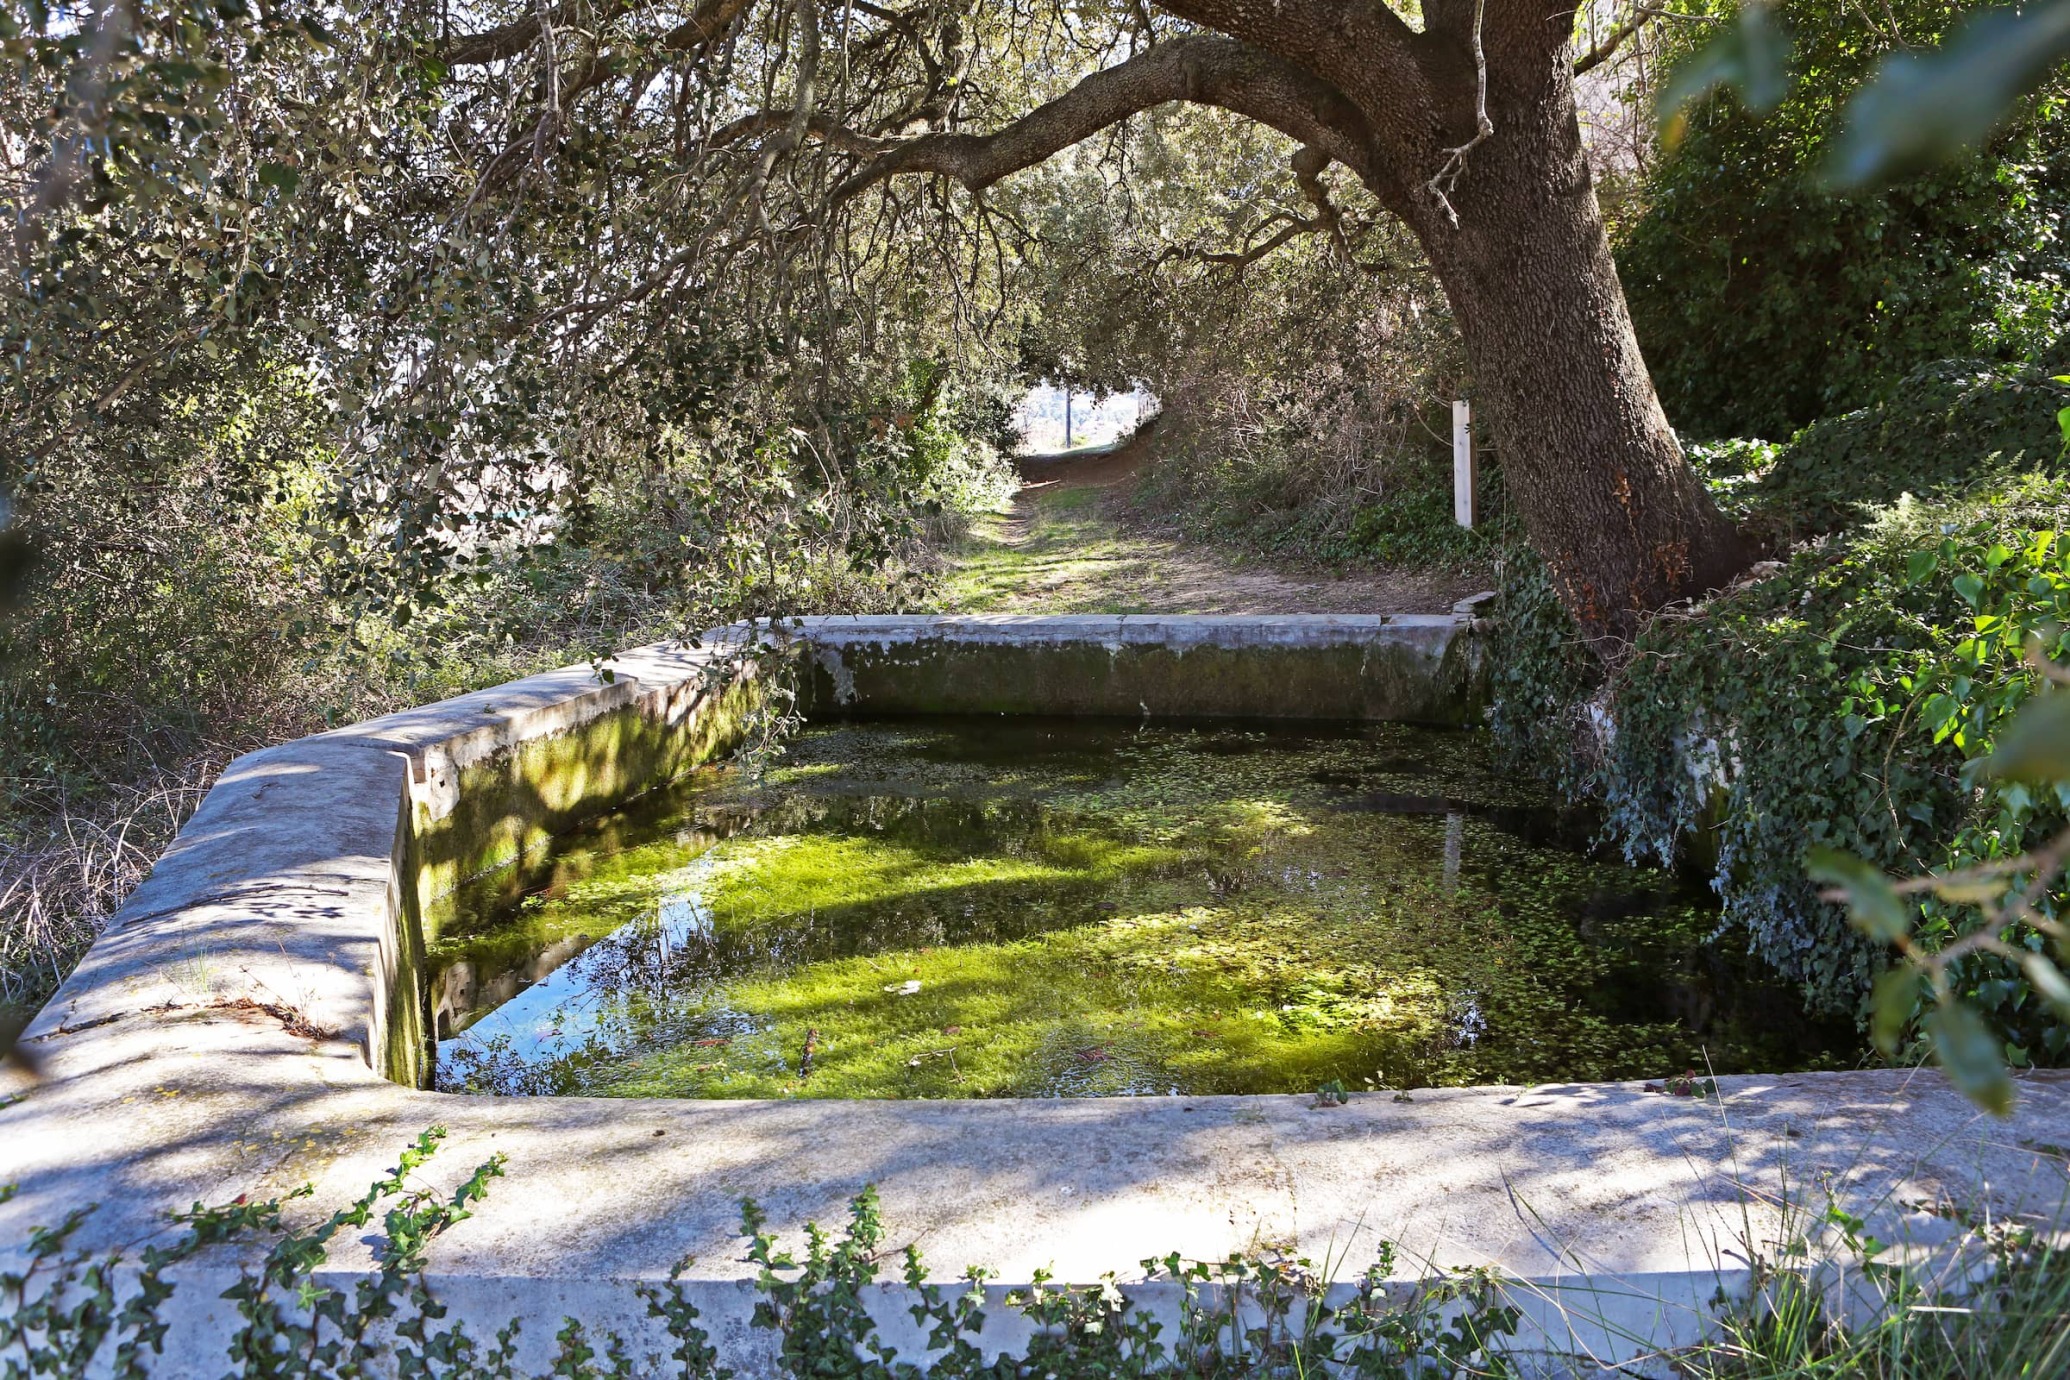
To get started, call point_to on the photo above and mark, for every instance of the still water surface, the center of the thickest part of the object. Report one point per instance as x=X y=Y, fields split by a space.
x=1030 y=907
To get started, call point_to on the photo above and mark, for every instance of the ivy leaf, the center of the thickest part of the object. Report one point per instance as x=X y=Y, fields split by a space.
x=1970 y=587
x=1922 y=564
x=1922 y=108
x=1872 y=902
x=1890 y=1006
x=2048 y=983
x=1751 y=56
x=1970 y=1055
x=2036 y=747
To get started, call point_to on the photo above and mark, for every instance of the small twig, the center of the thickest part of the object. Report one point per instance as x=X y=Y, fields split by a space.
x=1446 y=179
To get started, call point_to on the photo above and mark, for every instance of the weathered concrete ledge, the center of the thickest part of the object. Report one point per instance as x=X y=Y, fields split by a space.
x=252 y=1021
x=1410 y=668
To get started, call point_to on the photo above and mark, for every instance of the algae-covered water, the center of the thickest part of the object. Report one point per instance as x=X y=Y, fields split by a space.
x=1017 y=907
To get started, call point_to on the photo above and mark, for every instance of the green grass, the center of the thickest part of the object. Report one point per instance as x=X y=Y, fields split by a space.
x=1065 y=555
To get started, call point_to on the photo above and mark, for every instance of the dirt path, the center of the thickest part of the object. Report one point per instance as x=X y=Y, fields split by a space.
x=1062 y=548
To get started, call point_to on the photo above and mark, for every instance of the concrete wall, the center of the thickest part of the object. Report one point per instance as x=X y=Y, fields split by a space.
x=1399 y=668
x=253 y=1021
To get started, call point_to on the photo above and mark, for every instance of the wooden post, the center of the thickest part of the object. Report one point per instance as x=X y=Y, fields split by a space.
x=1462 y=463
x=1067 y=417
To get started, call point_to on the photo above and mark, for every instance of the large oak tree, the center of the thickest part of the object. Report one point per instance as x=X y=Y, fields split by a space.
x=1466 y=129
x=480 y=226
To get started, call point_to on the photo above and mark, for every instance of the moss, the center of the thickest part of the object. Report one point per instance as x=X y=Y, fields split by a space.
x=515 y=802
x=1384 y=681
x=512 y=804
x=1024 y=909
x=1063 y=546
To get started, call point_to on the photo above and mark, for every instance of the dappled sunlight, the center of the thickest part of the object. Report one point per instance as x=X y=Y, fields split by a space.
x=933 y=910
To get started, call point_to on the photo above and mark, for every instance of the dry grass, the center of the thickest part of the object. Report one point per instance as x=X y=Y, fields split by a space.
x=66 y=866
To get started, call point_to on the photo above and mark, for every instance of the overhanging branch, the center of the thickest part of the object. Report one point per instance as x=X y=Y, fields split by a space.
x=1198 y=68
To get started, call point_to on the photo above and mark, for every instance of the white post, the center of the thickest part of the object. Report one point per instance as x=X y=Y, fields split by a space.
x=1462 y=463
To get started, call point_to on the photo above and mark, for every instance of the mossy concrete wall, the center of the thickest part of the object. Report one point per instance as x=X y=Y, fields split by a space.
x=494 y=775
x=1398 y=668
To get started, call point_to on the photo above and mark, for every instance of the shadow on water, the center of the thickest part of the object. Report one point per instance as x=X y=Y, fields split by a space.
x=1074 y=908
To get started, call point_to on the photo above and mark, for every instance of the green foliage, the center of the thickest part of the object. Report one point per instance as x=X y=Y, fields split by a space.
x=1239 y=1317
x=1845 y=703
x=1764 y=301
x=1946 y=427
x=1898 y=1321
x=1541 y=677
x=1925 y=108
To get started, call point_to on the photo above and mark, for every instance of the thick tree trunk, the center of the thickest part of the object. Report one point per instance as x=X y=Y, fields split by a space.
x=1586 y=453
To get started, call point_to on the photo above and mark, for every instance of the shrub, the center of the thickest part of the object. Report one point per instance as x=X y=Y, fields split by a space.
x=1948 y=426
x=1844 y=701
x=1763 y=301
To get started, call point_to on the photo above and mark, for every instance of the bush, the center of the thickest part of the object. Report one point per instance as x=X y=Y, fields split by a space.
x=1763 y=302
x=1844 y=701
x=1947 y=427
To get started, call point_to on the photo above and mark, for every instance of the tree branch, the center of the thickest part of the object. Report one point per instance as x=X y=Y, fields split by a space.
x=821 y=127
x=1606 y=47
x=506 y=41
x=1204 y=70
x=1345 y=42
x=706 y=23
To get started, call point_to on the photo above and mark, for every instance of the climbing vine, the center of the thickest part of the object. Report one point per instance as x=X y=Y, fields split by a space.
x=1237 y=1317
x=1847 y=701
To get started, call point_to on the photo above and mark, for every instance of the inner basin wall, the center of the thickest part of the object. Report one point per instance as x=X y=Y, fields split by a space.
x=1373 y=668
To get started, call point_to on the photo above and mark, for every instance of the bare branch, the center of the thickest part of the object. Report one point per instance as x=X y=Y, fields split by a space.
x=1606 y=47
x=1447 y=177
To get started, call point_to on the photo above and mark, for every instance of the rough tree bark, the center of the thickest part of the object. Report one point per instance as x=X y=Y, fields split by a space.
x=1510 y=223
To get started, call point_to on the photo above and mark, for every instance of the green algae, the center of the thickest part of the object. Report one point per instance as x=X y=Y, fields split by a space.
x=1027 y=908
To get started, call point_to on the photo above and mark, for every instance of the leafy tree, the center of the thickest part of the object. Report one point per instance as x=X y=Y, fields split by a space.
x=1766 y=299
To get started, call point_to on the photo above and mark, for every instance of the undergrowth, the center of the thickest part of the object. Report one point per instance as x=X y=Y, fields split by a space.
x=1844 y=700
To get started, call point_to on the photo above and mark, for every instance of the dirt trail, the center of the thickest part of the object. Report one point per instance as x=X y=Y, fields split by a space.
x=1063 y=548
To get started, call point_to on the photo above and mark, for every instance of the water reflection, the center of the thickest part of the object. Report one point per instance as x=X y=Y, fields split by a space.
x=1087 y=909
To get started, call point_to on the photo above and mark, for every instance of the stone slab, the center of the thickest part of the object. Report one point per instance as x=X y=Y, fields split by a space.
x=1420 y=668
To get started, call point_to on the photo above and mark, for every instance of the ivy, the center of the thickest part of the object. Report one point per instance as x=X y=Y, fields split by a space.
x=1847 y=702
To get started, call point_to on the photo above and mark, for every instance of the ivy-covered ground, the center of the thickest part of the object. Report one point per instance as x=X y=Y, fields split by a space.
x=1844 y=696
x=1063 y=908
